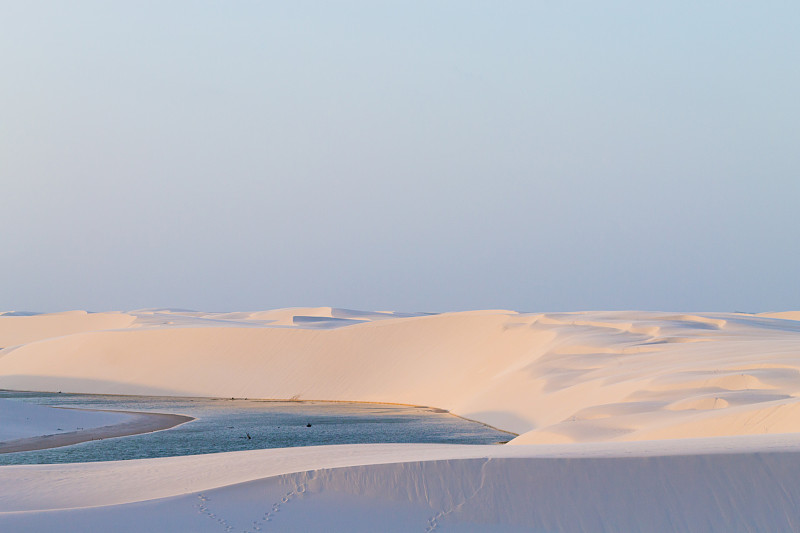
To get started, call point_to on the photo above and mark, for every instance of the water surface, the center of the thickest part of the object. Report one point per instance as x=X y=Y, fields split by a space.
x=223 y=425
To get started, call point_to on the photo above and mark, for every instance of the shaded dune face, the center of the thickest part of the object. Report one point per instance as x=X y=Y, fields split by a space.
x=415 y=488
x=551 y=377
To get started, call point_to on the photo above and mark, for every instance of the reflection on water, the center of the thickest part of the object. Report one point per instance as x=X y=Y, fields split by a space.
x=229 y=425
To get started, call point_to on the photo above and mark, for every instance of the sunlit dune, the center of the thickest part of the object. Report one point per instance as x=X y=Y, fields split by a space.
x=578 y=389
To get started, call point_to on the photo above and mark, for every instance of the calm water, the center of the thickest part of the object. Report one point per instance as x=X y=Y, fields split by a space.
x=222 y=426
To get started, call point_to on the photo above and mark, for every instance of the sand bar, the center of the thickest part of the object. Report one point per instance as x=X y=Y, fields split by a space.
x=134 y=424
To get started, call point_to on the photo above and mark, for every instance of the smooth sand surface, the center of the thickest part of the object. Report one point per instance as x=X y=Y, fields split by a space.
x=42 y=429
x=21 y=420
x=552 y=378
x=724 y=484
x=18 y=330
x=628 y=421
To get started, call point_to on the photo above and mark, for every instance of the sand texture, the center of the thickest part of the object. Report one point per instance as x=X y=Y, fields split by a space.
x=552 y=378
x=627 y=421
x=722 y=485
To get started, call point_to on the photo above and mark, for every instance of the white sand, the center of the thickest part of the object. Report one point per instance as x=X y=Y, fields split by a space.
x=18 y=330
x=20 y=420
x=705 y=485
x=25 y=426
x=605 y=379
x=566 y=377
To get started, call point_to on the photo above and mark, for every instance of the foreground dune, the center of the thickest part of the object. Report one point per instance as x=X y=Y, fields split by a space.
x=627 y=421
x=722 y=485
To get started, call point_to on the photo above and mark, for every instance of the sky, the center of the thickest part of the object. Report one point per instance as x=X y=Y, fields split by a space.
x=412 y=156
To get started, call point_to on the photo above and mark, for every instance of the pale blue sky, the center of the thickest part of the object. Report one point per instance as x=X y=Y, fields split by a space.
x=400 y=155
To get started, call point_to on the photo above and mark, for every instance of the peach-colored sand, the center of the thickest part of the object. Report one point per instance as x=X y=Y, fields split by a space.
x=628 y=421
x=556 y=377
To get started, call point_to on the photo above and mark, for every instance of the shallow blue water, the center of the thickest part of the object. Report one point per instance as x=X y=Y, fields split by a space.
x=223 y=425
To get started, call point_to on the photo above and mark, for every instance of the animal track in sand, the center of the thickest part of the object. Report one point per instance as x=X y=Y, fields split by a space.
x=258 y=524
x=202 y=508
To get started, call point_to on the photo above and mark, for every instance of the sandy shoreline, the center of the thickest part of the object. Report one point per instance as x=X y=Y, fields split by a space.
x=141 y=423
x=548 y=377
x=627 y=421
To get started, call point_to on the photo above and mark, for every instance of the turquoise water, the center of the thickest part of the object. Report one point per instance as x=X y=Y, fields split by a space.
x=222 y=425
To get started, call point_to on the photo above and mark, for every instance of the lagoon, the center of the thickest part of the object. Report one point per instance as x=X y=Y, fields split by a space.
x=224 y=425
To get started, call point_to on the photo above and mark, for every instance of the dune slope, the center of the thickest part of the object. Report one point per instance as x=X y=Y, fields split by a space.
x=675 y=422
x=721 y=486
x=552 y=378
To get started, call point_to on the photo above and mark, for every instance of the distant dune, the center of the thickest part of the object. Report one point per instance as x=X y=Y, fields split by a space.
x=552 y=377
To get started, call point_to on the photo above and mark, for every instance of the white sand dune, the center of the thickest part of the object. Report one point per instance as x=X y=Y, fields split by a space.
x=16 y=330
x=722 y=485
x=563 y=377
x=673 y=421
